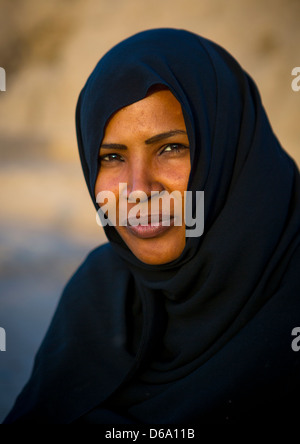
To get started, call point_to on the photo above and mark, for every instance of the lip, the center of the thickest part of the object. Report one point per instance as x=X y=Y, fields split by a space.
x=147 y=231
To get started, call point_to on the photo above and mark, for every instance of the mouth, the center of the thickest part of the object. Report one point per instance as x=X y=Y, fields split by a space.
x=150 y=226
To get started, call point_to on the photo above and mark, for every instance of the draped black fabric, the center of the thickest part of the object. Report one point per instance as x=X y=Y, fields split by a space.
x=205 y=338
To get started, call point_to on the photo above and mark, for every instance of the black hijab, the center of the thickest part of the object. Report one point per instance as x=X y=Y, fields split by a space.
x=207 y=337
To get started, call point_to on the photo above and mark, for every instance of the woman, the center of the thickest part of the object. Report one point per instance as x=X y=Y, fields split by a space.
x=156 y=326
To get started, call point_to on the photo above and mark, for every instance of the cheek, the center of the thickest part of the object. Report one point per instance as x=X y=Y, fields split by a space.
x=109 y=205
x=177 y=177
x=106 y=182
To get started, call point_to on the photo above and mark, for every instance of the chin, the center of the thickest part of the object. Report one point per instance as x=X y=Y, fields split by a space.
x=156 y=250
x=156 y=253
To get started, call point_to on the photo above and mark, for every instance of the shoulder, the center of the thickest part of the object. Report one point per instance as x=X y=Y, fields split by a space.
x=99 y=267
x=96 y=286
x=102 y=259
x=89 y=314
x=93 y=296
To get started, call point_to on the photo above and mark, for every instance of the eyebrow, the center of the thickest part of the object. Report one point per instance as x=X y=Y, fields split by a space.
x=154 y=139
x=162 y=136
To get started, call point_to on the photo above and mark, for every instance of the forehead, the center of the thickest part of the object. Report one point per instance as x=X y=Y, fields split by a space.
x=159 y=109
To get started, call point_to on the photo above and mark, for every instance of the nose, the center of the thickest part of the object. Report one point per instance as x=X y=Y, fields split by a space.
x=142 y=179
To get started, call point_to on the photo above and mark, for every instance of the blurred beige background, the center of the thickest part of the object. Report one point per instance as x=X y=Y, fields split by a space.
x=48 y=49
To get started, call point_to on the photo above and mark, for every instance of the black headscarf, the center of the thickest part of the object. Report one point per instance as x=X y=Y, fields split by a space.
x=206 y=337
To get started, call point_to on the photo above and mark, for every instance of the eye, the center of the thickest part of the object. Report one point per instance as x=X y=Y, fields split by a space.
x=174 y=148
x=109 y=158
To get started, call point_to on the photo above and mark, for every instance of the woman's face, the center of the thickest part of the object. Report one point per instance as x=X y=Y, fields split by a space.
x=146 y=147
